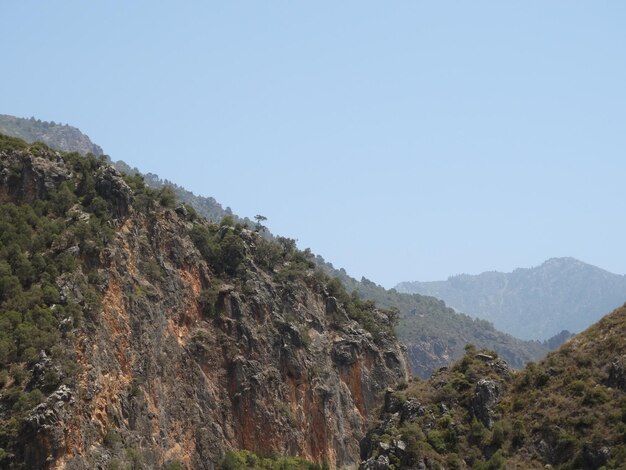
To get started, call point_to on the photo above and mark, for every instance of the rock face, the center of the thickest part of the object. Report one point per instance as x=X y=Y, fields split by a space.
x=617 y=373
x=486 y=396
x=426 y=419
x=178 y=364
x=25 y=177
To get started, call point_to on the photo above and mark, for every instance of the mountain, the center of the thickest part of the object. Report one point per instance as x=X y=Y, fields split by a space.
x=69 y=139
x=434 y=334
x=534 y=303
x=135 y=334
x=58 y=136
x=568 y=411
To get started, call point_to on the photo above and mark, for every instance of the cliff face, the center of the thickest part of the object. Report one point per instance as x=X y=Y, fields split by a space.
x=433 y=333
x=178 y=360
x=567 y=411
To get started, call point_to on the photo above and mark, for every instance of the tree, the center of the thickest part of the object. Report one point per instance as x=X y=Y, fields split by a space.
x=260 y=218
x=287 y=244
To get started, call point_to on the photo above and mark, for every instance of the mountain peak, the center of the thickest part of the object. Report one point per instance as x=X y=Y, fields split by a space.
x=562 y=293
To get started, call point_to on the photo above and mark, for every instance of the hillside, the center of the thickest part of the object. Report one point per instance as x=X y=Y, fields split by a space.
x=534 y=303
x=568 y=411
x=206 y=207
x=69 y=139
x=58 y=136
x=434 y=334
x=138 y=335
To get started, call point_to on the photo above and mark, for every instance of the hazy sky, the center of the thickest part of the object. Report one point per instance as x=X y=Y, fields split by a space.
x=401 y=140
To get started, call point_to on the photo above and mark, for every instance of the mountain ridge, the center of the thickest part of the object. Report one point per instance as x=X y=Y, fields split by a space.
x=433 y=333
x=532 y=303
x=568 y=411
x=135 y=334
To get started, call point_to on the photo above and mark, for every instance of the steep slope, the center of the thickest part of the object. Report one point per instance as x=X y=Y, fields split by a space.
x=69 y=139
x=206 y=207
x=58 y=136
x=435 y=335
x=134 y=333
x=534 y=303
x=568 y=411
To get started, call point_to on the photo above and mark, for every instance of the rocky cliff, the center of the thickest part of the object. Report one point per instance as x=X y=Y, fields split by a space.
x=174 y=339
x=567 y=411
x=433 y=333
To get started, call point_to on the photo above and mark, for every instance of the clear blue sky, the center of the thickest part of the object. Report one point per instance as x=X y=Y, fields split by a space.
x=401 y=140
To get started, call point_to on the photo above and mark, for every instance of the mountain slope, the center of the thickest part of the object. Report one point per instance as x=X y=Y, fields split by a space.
x=136 y=334
x=58 y=136
x=568 y=411
x=435 y=335
x=69 y=139
x=534 y=303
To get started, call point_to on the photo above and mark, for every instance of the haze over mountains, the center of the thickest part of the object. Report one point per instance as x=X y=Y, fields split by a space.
x=58 y=136
x=534 y=303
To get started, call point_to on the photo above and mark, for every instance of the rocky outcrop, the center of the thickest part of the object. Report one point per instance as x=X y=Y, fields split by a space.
x=486 y=397
x=112 y=187
x=178 y=363
x=617 y=373
x=25 y=177
x=423 y=420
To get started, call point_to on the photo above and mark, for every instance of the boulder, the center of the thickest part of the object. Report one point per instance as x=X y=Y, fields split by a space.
x=486 y=396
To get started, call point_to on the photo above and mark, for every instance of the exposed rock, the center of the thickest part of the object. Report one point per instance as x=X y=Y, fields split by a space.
x=269 y=370
x=332 y=306
x=182 y=211
x=393 y=404
x=617 y=373
x=412 y=408
x=49 y=413
x=484 y=357
x=345 y=352
x=112 y=187
x=379 y=463
x=486 y=396
x=25 y=177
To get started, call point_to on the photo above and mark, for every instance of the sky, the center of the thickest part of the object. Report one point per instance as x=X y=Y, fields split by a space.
x=405 y=140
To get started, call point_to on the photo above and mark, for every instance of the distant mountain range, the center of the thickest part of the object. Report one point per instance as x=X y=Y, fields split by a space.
x=433 y=333
x=534 y=303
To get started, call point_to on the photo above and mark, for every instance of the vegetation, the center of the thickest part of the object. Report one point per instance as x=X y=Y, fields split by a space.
x=568 y=411
x=223 y=247
x=43 y=242
x=243 y=460
x=434 y=332
x=58 y=136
